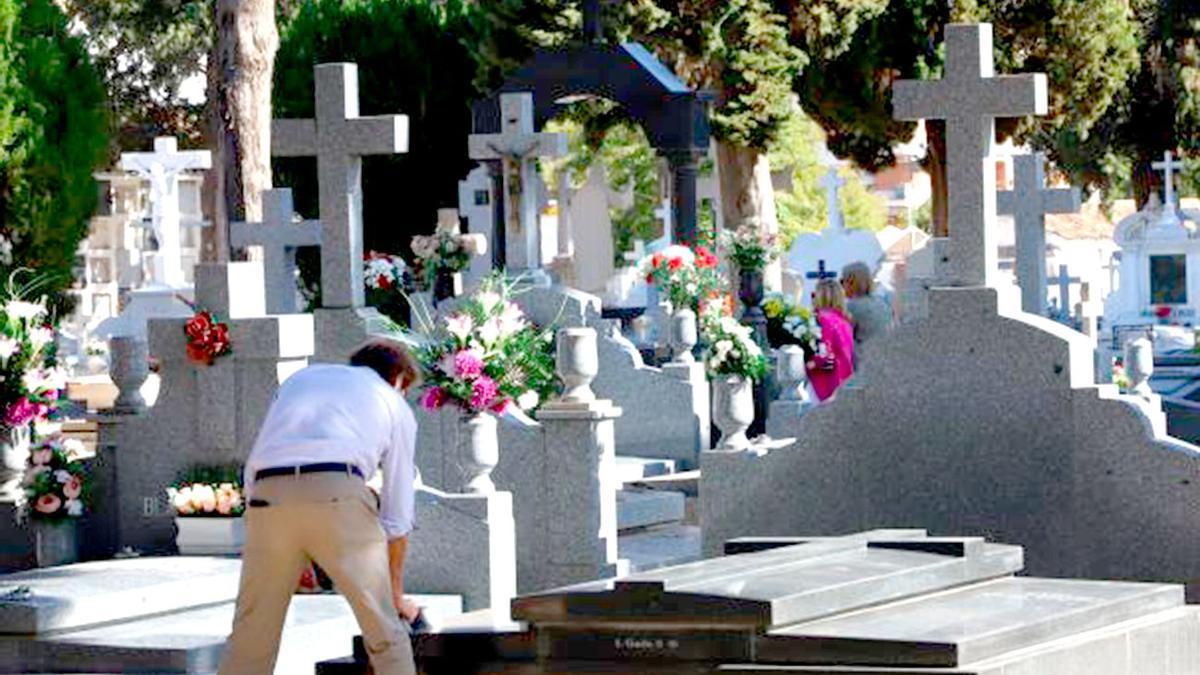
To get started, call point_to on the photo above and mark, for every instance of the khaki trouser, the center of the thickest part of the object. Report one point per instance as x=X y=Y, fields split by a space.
x=332 y=519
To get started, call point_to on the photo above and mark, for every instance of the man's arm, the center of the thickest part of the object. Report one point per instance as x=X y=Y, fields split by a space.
x=396 y=549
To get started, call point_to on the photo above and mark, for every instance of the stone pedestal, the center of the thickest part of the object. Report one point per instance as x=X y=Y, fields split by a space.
x=701 y=408
x=340 y=331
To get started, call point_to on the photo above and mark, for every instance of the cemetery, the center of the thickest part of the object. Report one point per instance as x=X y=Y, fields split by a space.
x=681 y=357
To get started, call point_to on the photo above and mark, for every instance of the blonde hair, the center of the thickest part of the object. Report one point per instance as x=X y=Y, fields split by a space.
x=829 y=295
x=859 y=276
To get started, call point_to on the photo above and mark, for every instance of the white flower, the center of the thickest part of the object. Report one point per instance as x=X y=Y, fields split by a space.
x=460 y=325
x=722 y=348
x=490 y=331
x=62 y=475
x=74 y=508
x=20 y=309
x=528 y=400
x=40 y=336
x=8 y=347
x=73 y=446
x=37 y=380
x=488 y=300
x=677 y=251
x=512 y=319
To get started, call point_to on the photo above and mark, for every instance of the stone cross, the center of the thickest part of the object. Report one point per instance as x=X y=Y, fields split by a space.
x=969 y=98
x=1087 y=311
x=162 y=168
x=339 y=138
x=639 y=251
x=820 y=273
x=831 y=182
x=1064 y=293
x=280 y=236
x=1168 y=166
x=518 y=147
x=1027 y=203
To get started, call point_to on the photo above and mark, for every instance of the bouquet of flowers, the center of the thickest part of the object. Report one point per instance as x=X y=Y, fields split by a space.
x=684 y=276
x=731 y=347
x=789 y=324
x=383 y=272
x=56 y=486
x=750 y=247
x=30 y=385
x=486 y=356
x=446 y=249
x=207 y=499
x=207 y=338
x=1120 y=377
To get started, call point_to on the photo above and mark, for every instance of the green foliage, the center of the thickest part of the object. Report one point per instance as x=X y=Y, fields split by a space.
x=53 y=134
x=413 y=58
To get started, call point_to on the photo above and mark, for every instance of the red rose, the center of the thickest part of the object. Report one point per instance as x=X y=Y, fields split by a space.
x=198 y=353
x=383 y=282
x=198 y=325
x=675 y=264
x=650 y=278
x=656 y=260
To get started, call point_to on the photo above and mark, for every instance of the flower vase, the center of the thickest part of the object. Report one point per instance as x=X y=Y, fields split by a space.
x=55 y=543
x=14 y=453
x=750 y=292
x=216 y=535
x=683 y=335
x=446 y=284
x=478 y=452
x=577 y=363
x=733 y=410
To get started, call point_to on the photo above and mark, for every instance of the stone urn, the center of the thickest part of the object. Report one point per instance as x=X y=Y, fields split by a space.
x=446 y=284
x=55 y=543
x=14 y=456
x=478 y=451
x=129 y=366
x=577 y=363
x=733 y=410
x=750 y=293
x=682 y=335
x=791 y=374
x=1139 y=365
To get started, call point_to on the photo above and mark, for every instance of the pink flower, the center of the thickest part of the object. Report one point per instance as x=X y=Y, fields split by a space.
x=500 y=407
x=42 y=456
x=20 y=413
x=73 y=488
x=483 y=393
x=47 y=504
x=224 y=504
x=434 y=398
x=468 y=364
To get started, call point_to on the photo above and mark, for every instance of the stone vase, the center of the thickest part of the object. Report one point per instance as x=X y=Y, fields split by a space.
x=204 y=535
x=790 y=373
x=1139 y=365
x=55 y=543
x=733 y=410
x=446 y=285
x=682 y=335
x=750 y=288
x=478 y=452
x=14 y=456
x=129 y=366
x=577 y=363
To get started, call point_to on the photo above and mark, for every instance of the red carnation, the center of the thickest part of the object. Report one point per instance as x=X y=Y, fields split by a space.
x=656 y=260
x=675 y=264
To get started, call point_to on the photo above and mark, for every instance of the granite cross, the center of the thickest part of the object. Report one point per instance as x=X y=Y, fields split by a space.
x=1168 y=166
x=339 y=138
x=280 y=236
x=1027 y=203
x=969 y=98
x=162 y=168
x=1064 y=293
x=831 y=182
x=518 y=147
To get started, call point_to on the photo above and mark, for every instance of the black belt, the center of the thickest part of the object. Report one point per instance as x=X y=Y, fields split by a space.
x=325 y=467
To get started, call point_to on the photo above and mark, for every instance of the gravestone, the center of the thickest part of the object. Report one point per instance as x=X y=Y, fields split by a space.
x=339 y=138
x=518 y=147
x=1064 y=281
x=1016 y=440
x=969 y=97
x=883 y=602
x=475 y=204
x=279 y=235
x=1028 y=203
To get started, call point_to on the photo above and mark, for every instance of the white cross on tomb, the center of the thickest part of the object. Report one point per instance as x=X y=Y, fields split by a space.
x=1168 y=166
x=279 y=235
x=339 y=138
x=831 y=182
x=969 y=97
x=1028 y=203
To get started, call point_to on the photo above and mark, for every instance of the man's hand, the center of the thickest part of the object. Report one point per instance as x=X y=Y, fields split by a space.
x=409 y=611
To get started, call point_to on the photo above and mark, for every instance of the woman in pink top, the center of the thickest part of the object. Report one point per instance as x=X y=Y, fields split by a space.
x=834 y=364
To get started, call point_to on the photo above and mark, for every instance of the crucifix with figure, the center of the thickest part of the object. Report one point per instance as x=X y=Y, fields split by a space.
x=1028 y=203
x=518 y=148
x=279 y=235
x=969 y=98
x=162 y=168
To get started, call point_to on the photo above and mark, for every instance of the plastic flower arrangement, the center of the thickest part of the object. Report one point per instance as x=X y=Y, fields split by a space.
x=750 y=248
x=791 y=324
x=486 y=356
x=56 y=485
x=1120 y=377
x=207 y=338
x=446 y=249
x=207 y=499
x=30 y=385
x=683 y=275
x=383 y=272
x=731 y=347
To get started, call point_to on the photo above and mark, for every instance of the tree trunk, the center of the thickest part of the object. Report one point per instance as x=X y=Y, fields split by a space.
x=935 y=165
x=747 y=195
x=240 y=69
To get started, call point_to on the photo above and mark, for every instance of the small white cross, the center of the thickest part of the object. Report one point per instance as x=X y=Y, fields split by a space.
x=831 y=182
x=280 y=236
x=1168 y=166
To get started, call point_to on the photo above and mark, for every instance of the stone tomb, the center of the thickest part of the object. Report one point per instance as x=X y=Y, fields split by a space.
x=889 y=601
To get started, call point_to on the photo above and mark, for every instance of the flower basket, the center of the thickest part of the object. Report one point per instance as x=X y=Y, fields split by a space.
x=210 y=535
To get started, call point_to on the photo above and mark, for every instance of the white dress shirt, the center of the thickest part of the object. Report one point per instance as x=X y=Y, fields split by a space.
x=343 y=414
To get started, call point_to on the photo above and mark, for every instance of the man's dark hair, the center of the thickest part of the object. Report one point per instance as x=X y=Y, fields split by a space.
x=390 y=360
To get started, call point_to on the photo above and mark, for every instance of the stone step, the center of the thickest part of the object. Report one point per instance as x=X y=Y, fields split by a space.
x=687 y=482
x=318 y=627
x=630 y=469
x=645 y=508
x=660 y=546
